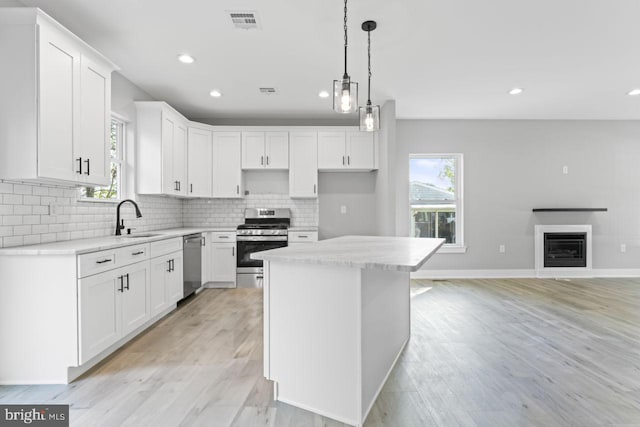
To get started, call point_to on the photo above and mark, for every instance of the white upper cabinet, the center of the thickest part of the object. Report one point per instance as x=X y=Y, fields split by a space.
x=200 y=158
x=227 y=163
x=303 y=171
x=55 y=104
x=265 y=150
x=344 y=151
x=161 y=150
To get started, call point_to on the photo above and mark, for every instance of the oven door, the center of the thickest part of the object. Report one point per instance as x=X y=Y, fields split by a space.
x=249 y=245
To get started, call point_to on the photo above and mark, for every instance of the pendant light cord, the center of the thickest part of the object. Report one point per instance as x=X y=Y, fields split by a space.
x=346 y=76
x=369 y=64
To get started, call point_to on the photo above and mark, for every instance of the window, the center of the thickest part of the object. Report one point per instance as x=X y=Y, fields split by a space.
x=435 y=198
x=113 y=191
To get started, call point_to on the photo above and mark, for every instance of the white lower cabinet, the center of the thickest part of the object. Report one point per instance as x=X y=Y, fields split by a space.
x=166 y=281
x=221 y=262
x=298 y=238
x=112 y=304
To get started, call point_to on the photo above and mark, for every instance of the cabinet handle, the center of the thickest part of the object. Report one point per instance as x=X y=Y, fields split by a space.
x=267 y=160
x=237 y=189
x=173 y=265
x=175 y=187
x=121 y=278
x=261 y=160
x=88 y=162
x=233 y=251
x=223 y=237
x=342 y=160
x=314 y=188
x=103 y=261
x=179 y=186
x=127 y=287
x=204 y=241
x=79 y=160
x=138 y=253
x=191 y=187
x=169 y=266
x=348 y=160
x=302 y=236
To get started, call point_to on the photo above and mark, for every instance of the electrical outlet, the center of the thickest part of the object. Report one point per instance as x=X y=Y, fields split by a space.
x=343 y=209
x=623 y=248
x=565 y=170
x=502 y=249
x=54 y=209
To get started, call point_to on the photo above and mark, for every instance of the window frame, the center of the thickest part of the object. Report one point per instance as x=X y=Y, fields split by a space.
x=121 y=160
x=459 y=246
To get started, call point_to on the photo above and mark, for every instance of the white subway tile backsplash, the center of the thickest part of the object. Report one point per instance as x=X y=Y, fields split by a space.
x=25 y=208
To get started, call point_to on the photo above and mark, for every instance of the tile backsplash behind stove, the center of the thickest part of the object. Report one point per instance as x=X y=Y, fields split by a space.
x=230 y=212
x=26 y=217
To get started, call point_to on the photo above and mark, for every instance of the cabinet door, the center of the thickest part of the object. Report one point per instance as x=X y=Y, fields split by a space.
x=180 y=158
x=360 y=150
x=277 y=150
x=158 y=296
x=93 y=145
x=331 y=150
x=224 y=262
x=169 y=184
x=135 y=297
x=227 y=172
x=303 y=164
x=199 y=162
x=58 y=105
x=175 y=279
x=253 y=156
x=99 y=313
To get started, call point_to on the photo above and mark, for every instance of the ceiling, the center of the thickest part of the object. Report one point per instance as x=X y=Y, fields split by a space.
x=576 y=59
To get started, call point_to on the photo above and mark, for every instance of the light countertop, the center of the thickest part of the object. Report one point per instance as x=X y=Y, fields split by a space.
x=83 y=246
x=367 y=252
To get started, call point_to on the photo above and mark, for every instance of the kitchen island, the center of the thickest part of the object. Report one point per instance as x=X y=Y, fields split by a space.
x=336 y=318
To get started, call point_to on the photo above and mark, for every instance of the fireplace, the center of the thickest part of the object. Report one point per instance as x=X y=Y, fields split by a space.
x=563 y=250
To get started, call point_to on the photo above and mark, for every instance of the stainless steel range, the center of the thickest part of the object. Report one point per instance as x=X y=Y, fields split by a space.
x=263 y=229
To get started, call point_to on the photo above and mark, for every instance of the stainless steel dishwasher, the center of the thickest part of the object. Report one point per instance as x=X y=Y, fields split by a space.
x=192 y=272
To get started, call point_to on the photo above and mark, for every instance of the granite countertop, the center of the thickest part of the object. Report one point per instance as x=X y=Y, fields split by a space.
x=367 y=252
x=83 y=246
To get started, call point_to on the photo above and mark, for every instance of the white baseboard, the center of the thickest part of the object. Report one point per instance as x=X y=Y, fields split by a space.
x=521 y=273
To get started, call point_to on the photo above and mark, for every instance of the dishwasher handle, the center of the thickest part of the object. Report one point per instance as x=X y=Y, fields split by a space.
x=199 y=239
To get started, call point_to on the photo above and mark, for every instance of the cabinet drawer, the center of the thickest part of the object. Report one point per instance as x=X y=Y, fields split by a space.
x=223 y=237
x=303 y=236
x=96 y=262
x=164 y=247
x=130 y=254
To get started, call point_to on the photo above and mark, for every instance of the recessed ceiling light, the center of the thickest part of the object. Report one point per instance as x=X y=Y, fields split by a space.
x=634 y=92
x=215 y=93
x=186 y=59
x=323 y=94
x=516 y=91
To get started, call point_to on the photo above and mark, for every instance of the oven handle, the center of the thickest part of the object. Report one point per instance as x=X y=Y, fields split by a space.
x=262 y=238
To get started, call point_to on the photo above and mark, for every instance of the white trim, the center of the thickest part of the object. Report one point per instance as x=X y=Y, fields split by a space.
x=516 y=274
x=542 y=271
x=452 y=249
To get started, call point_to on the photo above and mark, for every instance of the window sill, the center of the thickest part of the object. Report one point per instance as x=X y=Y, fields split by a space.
x=102 y=201
x=452 y=249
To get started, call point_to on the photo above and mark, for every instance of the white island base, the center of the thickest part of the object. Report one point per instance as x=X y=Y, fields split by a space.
x=332 y=342
x=333 y=333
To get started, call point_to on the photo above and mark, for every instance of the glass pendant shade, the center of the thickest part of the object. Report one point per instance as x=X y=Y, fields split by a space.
x=345 y=96
x=370 y=118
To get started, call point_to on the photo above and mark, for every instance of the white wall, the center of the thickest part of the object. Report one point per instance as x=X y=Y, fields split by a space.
x=514 y=166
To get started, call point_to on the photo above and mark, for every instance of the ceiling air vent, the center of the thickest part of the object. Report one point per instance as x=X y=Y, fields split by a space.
x=245 y=20
x=268 y=90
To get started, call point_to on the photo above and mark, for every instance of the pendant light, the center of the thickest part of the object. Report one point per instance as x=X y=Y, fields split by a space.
x=370 y=114
x=345 y=92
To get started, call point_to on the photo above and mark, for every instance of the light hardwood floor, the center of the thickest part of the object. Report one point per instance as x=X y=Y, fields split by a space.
x=482 y=353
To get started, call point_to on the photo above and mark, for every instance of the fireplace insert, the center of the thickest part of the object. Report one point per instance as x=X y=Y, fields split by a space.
x=565 y=249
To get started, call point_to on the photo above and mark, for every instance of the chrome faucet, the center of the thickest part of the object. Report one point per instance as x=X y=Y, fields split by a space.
x=120 y=225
